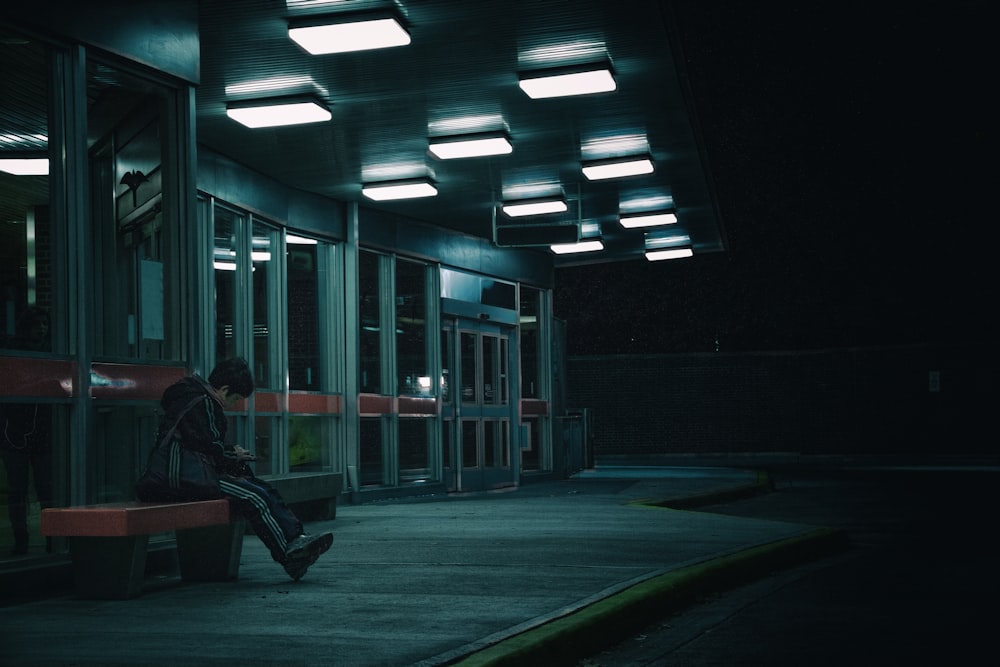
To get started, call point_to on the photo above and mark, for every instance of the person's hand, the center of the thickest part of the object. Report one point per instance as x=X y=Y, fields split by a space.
x=243 y=454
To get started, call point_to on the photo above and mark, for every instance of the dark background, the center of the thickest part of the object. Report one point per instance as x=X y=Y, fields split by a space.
x=852 y=161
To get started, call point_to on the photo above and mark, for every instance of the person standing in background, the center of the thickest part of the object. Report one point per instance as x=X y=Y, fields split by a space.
x=26 y=436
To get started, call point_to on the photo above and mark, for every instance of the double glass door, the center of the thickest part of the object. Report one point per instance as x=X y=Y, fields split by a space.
x=478 y=407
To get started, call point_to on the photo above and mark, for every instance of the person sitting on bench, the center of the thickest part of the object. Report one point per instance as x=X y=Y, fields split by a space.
x=203 y=429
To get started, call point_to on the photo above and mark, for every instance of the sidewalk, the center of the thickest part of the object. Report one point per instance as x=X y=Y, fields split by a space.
x=536 y=575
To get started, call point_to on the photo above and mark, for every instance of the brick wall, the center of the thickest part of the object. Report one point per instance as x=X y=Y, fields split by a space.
x=876 y=401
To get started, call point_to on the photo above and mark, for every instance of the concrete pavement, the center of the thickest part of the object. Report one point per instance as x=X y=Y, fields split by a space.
x=544 y=574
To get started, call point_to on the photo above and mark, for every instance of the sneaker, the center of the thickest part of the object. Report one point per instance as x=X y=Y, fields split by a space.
x=296 y=569
x=303 y=552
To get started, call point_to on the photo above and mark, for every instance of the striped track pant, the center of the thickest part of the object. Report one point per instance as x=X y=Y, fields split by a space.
x=263 y=508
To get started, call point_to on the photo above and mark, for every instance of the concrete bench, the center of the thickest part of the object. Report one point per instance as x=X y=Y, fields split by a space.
x=108 y=542
x=311 y=495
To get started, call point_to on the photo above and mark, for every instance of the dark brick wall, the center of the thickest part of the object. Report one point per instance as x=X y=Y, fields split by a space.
x=828 y=402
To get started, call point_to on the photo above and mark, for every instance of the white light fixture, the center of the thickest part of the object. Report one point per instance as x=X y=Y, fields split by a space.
x=566 y=81
x=618 y=167
x=25 y=166
x=408 y=189
x=278 y=111
x=349 y=32
x=522 y=207
x=587 y=245
x=669 y=253
x=650 y=219
x=470 y=145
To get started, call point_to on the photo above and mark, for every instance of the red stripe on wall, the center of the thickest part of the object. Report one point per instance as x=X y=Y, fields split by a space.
x=132 y=381
x=37 y=378
x=267 y=401
x=318 y=404
x=413 y=405
x=373 y=404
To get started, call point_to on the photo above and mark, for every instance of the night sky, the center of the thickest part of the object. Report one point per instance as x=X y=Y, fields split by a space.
x=849 y=149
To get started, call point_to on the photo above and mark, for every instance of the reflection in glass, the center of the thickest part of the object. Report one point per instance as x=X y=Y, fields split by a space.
x=224 y=260
x=370 y=446
x=530 y=358
x=26 y=233
x=369 y=311
x=307 y=443
x=411 y=329
x=530 y=450
x=304 y=308
x=468 y=369
x=265 y=304
x=470 y=443
x=414 y=449
x=264 y=430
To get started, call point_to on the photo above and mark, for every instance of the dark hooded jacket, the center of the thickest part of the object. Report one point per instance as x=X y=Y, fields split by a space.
x=203 y=427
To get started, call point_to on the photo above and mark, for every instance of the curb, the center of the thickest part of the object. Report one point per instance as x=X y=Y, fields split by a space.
x=587 y=632
x=590 y=630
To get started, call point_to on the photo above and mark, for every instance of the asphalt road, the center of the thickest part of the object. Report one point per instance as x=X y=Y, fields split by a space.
x=918 y=586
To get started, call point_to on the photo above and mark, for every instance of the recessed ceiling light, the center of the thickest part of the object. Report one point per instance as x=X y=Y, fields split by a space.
x=25 y=166
x=522 y=207
x=618 y=167
x=349 y=32
x=651 y=219
x=408 y=189
x=588 y=245
x=670 y=253
x=566 y=81
x=471 y=145
x=273 y=112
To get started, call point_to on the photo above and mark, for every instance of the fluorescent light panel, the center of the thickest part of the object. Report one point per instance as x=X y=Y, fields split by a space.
x=590 y=245
x=563 y=82
x=280 y=111
x=25 y=166
x=472 y=145
x=631 y=166
x=516 y=209
x=342 y=34
x=653 y=219
x=391 y=190
x=670 y=253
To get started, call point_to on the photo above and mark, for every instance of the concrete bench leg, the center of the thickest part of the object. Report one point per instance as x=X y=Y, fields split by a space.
x=211 y=553
x=109 y=568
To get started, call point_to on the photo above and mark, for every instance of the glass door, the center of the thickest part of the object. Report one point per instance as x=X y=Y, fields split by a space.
x=478 y=410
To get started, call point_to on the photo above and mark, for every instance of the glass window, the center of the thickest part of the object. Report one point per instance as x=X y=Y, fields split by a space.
x=27 y=251
x=530 y=357
x=531 y=455
x=470 y=381
x=304 y=307
x=470 y=443
x=370 y=446
x=309 y=439
x=446 y=353
x=265 y=434
x=224 y=261
x=132 y=232
x=414 y=449
x=411 y=329
x=370 y=316
x=266 y=305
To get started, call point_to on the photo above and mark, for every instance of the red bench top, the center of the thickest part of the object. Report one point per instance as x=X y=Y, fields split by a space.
x=132 y=518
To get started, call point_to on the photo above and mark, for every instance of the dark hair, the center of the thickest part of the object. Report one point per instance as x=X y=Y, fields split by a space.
x=234 y=373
